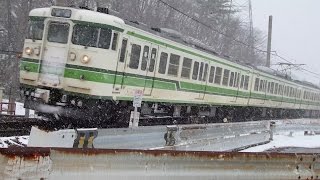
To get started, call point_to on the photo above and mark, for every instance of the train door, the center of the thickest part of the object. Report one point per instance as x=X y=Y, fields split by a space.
x=150 y=69
x=265 y=89
x=236 y=84
x=203 y=78
x=137 y=66
x=54 y=53
x=121 y=66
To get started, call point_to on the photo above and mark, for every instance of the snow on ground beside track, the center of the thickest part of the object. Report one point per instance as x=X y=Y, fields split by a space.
x=21 y=141
x=296 y=139
x=19 y=108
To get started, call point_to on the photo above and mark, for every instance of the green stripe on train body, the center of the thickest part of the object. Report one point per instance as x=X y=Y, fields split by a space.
x=140 y=81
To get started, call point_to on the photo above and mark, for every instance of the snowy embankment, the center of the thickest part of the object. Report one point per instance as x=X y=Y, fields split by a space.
x=291 y=138
x=19 y=109
x=282 y=139
x=21 y=141
x=295 y=139
x=15 y=141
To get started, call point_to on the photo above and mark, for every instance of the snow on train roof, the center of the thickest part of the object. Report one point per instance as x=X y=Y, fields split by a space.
x=81 y=15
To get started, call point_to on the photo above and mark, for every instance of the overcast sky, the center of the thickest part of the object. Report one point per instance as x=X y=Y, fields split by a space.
x=296 y=29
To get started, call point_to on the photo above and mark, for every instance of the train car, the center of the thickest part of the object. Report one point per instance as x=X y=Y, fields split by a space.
x=82 y=64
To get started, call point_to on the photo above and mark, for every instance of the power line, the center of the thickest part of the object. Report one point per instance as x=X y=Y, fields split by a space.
x=210 y=27
x=284 y=59
x=274 y=53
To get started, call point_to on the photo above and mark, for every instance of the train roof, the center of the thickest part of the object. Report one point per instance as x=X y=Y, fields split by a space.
x=102 y=18
x=81 y=15
x=194 y=43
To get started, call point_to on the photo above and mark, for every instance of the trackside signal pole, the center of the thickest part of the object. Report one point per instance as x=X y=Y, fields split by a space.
x=269 y=42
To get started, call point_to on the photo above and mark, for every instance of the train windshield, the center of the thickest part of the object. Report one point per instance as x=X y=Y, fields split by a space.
x=92 y=36
x=85 y=36
x=58 y=32
x=35 y=30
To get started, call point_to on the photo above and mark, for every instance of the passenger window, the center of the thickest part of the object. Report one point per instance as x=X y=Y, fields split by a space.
x=226 y=75
x=174 y=65
x=153 y=59
x=104 y=38
x=242 y=82
x=123 y=50
x=272 y=88
x=114 y=41
x=276 y=88
x=163 y=63
x=256 y=84
x=186 y=68
x=231 y=79
x=135 y=56
x=246 y=83
x=195 y=70
x=205 y=74
x=261 y=86
x=217 y=79
x=236 y=79
x=280 y=90
x=211 y=76
x=145 y=57
x=201 y=72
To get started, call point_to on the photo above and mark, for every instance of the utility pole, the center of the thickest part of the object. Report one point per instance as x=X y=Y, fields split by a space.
x=9 y=45
x=269 y=42
x=225 y=46
x=9 y=27
x=251 y=36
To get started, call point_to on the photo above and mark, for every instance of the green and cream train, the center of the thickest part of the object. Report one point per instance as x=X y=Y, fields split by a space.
x=83 y=64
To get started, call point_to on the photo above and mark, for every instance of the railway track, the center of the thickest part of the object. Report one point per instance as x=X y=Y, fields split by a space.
x=20 y=125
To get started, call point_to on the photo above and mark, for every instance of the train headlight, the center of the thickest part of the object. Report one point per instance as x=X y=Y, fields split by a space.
x=28 y=51
x=85 y=59
x=37 y=51
x=72 y=56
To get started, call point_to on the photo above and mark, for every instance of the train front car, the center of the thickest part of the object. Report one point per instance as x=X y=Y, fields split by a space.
x=64 y=52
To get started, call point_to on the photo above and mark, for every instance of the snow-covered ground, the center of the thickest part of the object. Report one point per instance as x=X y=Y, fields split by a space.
x=288 y=139
x=19 y=108
x=281 y=139
x=21 y=141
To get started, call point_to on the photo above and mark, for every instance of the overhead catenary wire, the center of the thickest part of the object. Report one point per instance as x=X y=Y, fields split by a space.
x=210 y=27
x=274 y=53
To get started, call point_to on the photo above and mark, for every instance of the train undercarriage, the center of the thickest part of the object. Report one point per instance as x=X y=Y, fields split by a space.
x=79 y=111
